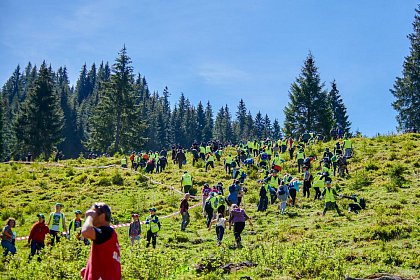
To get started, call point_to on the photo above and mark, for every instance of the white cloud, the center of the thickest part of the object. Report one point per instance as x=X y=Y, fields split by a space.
x=221 y=73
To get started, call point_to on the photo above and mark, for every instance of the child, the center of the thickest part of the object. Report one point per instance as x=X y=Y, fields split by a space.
x=135 y=229
x=220 y=227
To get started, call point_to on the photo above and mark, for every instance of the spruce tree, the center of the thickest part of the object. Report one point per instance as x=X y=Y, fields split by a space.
x=240 y=122
x=208 y=128
x=2 y=148
x=276 y=130
x=308 y=109
x=407 y=88
x=116 y=124
x=259 y=125
x=40 y=118
x=339 y=111
x=267 y=127
x=249 y=126
x=201 y=122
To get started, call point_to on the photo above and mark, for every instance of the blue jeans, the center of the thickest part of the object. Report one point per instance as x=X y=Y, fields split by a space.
x=36 y=247
x=8 y=247
x=185 y=220
x=219 y=233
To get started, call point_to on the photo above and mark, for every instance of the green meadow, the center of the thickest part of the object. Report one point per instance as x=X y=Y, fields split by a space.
x=383 y=238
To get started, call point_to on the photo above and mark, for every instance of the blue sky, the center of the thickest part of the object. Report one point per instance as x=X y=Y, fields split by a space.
x=223 y=51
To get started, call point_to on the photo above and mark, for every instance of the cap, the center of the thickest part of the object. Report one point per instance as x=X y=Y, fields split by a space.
x=40 y=215
x=77 y=212
x=58 y=204
x=152 y=209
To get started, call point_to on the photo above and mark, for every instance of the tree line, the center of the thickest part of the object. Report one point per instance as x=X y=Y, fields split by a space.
x=111 y=109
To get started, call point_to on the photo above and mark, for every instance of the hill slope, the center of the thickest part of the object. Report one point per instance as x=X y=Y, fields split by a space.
x=300 y=245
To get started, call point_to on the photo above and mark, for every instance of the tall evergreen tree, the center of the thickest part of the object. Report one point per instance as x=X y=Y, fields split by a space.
x=240 y=122
x=339 y=111
x=201 y=122
x=276 y=130
x=208 y=128
x=2 y=148
x=308 y=109
x=259 y=125
x=407 y=88
x=40 y=118
x=249 y=126
x=267 y=127
x=116 y=124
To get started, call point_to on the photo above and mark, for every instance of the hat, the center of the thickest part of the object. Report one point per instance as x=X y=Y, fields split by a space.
x=77 y=212
x=185 y=171
x=40 y=215
x=58 y=204
x=152 y=209
x=134 y=215
x=220 y=184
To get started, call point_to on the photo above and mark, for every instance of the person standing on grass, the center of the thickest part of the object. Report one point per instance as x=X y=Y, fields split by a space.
x=209 y=161
x=307 y=181
x=37 y=236
x=8 y=238
x=329 y=194
x=153 y=227
x=205 y=193
x=282 y=195
x=135 y=229
x=104 y=260
x=186 y=182
x=294 y=189
x=184 y=212
x=221 y=224
x=237 y=218
x=75 y=227
x=228 y=164
x=319 y=185
x=58 y=223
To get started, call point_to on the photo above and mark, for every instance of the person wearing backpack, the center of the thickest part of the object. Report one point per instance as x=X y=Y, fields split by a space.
x=221 y=203
x=264 y=192
x=58 y=221
x=282 y=195
x=205 y=193
x=357 y=205
x=307 y=181
x=153 y=227
x=211 y=203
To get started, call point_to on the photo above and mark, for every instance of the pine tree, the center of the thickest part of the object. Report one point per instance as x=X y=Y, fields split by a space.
x=82 y=86
x=71 y=145
x=240 y=122
x=2 y=148
x=308 y=109
x=339 y=111
x=40 y=118
x=276 y=130
x=220 y=125
x=259 y=125
x=267 y=127
x=201 y=122
x=208 y=128
x=249 y=126
x=116 y=125
x=407 y=88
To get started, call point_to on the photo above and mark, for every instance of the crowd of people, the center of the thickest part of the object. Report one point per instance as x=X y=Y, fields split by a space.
x=220 y=208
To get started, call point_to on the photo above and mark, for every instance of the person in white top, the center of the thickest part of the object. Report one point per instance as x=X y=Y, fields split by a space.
x=221 y=223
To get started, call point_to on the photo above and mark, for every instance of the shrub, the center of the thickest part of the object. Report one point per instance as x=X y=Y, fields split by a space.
x=117 y=179
x=104 y=182
x=371 y=166
x=396 y=174
x=389 y=233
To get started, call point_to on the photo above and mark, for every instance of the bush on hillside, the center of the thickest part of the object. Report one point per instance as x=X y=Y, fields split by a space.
x=117 y=179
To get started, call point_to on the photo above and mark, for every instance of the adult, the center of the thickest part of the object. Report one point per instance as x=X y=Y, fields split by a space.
x=294 y=189
x=329 y=194
x=233 y=192
x=124 y=162
x=237 y=218
x=104 y=258
x=186 y=182
x=210 y=207
x=181 y=158
x=153 y=227
x=300 y=157
x=307 y=181
x=7 y=237
x=57 y=220
x=183 y=210
x=205 y=193
x=318 y=185
x=277 y=161
x=37 y=236
x=209 y=161
x=263 y=202
x=228 y=164
x=347 y=147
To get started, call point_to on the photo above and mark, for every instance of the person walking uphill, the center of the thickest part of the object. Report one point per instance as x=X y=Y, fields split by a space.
x=7 y=237
x=237 y=218
x=186 y=182
x=184 y=212
x=104 y=258
x=58 y=221
x=329 y=194
x=153 y=227
x=37 y=236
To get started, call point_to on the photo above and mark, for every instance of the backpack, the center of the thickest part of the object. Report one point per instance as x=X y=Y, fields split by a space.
x=281 y=192
x=362 y=203
x=206 y=192
x=264 y=156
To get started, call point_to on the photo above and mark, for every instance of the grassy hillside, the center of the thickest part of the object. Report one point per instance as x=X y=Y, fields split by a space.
x=300 y=245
